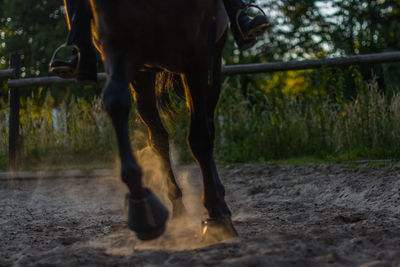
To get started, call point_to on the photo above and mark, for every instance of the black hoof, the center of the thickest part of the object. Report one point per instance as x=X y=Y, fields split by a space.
x=217 y=229
x=147 y=217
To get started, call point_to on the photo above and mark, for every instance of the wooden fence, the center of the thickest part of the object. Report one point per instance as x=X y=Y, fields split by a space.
x=14 y=83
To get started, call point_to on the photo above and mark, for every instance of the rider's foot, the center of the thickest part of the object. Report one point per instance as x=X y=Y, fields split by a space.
x=245 y=30
x=84 y=71
x=64 y=68
x=241 y=42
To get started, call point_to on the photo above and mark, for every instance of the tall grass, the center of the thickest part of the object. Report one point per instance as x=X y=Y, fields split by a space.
x=73 y=133
x=78 y=133
x=367 y=127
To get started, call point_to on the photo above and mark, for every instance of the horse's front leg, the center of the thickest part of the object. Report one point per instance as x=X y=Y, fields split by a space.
x=202 y=101
x=146 y=215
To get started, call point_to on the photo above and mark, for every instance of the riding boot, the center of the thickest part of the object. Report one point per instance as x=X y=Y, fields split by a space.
x=244 y=29
x=82 y=63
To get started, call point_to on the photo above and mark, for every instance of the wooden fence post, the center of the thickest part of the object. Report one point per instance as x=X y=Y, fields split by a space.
x=14 y=98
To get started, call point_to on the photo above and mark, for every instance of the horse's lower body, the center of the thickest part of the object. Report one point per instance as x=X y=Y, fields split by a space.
x=147 y=216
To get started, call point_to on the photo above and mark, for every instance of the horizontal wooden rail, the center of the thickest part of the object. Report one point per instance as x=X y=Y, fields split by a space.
x=312 y=64
x=243 y=69
x=6 y=74
x=43 y=81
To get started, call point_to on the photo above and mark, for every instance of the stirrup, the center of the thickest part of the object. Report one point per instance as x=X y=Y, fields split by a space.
x=63 y=73
x=247 y=6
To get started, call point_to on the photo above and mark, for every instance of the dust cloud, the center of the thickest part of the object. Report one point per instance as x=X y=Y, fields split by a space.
x=307 y=215
x=182 y=233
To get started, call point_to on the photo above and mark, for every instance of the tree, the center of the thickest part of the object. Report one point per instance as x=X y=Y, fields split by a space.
x=34 y=29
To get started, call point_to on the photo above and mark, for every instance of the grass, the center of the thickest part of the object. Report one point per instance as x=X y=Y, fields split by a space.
x=78 y=134
x=319 y=128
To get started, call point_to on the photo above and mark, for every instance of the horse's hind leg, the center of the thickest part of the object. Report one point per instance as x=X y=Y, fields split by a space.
x=147 y=108
x=146 y=215
x=202 y=103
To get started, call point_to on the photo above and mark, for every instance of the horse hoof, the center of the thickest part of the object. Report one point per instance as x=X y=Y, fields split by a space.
x=217 y=229
x=147 y=217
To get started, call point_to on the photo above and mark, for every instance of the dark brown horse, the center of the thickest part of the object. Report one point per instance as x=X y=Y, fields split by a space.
x=137 y=39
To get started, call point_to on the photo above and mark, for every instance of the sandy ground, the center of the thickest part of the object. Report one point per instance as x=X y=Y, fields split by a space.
x=308 y=215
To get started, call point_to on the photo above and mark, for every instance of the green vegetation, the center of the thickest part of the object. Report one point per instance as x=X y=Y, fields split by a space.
x=325 y=127
x=332 y=114
x=78 y=133
x=71 y=134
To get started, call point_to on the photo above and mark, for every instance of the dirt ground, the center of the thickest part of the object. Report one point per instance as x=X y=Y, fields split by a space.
x=307 y=215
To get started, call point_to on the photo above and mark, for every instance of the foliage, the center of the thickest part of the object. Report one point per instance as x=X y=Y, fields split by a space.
x=326 y=126
x=34 y=29
x=331 y=113
x=299 y=29
x=74 y=131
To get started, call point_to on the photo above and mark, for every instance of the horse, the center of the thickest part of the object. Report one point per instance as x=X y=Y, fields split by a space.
x=184 y=40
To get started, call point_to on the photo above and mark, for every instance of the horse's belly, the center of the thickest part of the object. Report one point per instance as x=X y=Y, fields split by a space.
x=163 y=36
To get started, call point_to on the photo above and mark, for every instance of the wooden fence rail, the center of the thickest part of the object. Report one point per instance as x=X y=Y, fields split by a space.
x=16 y=83
x=43 y=81
x=6 y=74
x=386 y=57
x=243 y=69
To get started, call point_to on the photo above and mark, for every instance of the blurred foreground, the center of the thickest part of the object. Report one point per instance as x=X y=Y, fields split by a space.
x=308 y=215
